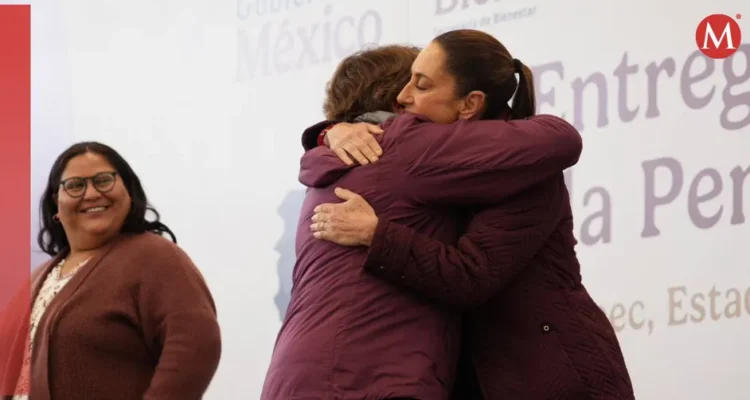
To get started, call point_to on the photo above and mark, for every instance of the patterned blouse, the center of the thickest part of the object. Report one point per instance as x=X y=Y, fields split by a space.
x=52 y=285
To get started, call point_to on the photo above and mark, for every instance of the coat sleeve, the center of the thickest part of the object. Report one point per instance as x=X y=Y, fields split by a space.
x=471 y=163
x=499 y=243
x=179 y=319
x=310 y=135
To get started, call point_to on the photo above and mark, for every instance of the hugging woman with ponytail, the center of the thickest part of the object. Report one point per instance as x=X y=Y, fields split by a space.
x=531 y=330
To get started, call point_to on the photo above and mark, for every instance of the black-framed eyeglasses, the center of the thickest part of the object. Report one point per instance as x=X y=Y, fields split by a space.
x=103 y=182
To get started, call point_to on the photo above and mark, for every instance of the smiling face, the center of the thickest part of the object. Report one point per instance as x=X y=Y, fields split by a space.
x=92 y=201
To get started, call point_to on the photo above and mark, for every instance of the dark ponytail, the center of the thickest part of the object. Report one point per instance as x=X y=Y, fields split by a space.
x=524 y=100
x=478 y=61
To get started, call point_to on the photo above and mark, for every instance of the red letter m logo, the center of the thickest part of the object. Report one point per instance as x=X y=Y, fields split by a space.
x=718 y=36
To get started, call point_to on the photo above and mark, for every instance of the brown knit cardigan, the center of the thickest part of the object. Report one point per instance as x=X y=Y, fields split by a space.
x=136 y=322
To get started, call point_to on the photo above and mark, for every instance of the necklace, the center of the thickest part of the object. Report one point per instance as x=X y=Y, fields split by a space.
x=60 y=275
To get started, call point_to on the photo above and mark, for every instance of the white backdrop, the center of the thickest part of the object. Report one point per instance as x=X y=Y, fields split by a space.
x=207 y=100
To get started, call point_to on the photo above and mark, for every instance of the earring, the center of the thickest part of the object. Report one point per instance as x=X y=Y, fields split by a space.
x=56 y=218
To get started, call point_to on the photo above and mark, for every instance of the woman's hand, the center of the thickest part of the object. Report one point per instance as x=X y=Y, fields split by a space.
x=351 y=223
x=355 y=140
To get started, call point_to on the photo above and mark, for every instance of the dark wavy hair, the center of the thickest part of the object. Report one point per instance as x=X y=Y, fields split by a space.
x=52 y=239
x=368 y=80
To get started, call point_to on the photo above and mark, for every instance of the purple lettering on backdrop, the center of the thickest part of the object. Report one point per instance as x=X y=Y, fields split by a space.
x=687 y=80
x=579 y=85
x=654 y=71
x=696 y=70
x=697 y=94
x=278 y=48
x=707 y=185
x=622 y=72
x=695 y=198
x=732 y=101
x=597 y=226
x=652 y=200
x=547 y=97
x=692 y=82
x=739 y=177
x=282 y=47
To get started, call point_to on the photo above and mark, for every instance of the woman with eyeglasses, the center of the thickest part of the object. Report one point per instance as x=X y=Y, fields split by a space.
x=120 y=312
